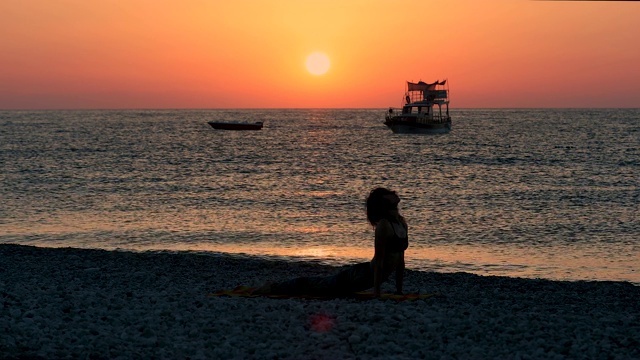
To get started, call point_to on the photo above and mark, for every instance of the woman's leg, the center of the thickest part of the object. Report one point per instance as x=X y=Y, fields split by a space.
x=316 y=286
x=355 y=278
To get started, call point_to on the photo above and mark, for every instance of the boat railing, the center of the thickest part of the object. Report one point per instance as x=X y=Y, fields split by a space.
x=440 y=118
x=429 y=95
x=435 y=117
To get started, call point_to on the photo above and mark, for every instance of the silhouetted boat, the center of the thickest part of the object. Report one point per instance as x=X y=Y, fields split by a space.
x=234 y=125
x=422 y=111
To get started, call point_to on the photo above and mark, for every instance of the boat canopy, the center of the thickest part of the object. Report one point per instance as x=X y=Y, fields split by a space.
x=423 y=86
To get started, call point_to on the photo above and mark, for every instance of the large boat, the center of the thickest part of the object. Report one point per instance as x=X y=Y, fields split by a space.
x=425 y=110
x=234 y=125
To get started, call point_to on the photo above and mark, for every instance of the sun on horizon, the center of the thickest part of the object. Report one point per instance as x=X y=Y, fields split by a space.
x=318 y=63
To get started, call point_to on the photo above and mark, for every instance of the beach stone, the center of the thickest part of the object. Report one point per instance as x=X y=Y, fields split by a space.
x=15 y=313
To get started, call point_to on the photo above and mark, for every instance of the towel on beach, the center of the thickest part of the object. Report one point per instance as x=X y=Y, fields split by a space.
x=247 y=291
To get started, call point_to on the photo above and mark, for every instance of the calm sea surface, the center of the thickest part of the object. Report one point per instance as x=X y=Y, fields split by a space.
x=530 y=193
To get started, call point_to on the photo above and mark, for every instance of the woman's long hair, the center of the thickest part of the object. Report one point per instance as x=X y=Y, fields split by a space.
x=378 y=206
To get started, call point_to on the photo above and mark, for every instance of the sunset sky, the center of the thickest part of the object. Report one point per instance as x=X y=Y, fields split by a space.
x=68 y=54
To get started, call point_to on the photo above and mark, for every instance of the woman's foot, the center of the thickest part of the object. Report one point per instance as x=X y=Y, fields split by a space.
x=263 y=290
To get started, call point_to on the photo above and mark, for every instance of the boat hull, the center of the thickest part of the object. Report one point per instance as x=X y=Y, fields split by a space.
x=235 y=125
x=400 y=126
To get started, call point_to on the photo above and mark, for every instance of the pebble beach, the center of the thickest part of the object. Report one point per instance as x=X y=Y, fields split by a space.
x=60 y=303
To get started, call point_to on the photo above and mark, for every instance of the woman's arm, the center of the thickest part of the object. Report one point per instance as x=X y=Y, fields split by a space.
x=383 y=233
x=400 y=268
x=400 y=275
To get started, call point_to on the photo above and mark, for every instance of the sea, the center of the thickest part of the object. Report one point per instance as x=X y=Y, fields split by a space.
x=532 y=193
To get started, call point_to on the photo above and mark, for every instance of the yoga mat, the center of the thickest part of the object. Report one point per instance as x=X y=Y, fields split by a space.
x=247 y=291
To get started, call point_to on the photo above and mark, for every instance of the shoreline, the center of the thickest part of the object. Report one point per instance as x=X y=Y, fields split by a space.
x=70 y=303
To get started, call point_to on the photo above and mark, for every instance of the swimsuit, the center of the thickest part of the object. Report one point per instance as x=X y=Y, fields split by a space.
x=400 y=242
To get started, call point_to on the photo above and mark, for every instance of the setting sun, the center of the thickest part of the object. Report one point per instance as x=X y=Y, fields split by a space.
x=318 y=63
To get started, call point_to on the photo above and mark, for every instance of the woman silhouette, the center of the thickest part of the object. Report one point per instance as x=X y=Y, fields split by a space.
x=391 y=241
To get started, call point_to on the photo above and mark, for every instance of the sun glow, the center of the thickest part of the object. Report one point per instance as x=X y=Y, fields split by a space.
x=315 y=54
x=318 y=63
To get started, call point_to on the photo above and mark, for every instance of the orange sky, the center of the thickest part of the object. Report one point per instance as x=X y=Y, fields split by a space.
x=251 y=53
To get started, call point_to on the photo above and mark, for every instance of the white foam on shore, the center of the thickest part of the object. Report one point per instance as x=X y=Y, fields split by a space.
x=71 y=303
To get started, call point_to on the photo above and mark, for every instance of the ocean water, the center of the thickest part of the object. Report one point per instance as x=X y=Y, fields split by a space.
x=534 y=193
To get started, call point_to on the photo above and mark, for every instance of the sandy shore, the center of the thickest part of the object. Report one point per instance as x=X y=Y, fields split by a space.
x=93 y=304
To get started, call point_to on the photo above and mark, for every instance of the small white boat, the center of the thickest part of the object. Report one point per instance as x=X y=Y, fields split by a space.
x=422 y=112
x=234 y=125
